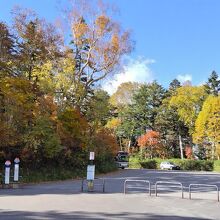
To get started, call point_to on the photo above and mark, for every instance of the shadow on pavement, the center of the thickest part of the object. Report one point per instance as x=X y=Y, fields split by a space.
x=52 y=215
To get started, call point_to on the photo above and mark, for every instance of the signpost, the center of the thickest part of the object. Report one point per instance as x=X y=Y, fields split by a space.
x=91 y=172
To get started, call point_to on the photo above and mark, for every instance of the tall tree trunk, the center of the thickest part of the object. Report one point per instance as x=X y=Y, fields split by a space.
x=120 y=143
x=213 y=150
x=181 y=146
x=129 y=145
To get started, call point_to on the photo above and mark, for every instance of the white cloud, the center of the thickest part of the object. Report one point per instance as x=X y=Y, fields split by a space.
x=135 y=70
x=184 y=78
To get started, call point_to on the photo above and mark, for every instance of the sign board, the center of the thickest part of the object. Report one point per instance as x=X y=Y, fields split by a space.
x=90 y=172
x=91 y=155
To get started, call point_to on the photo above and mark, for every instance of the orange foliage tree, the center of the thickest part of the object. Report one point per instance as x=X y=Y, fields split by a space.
x=150 y=144
x=105 y=142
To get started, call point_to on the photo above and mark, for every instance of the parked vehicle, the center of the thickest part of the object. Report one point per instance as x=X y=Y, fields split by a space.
x=122 y=159
x=169 y=166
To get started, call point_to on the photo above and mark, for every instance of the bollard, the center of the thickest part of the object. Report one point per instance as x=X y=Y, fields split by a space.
x=7 y=172
x=16 y=169
x=90 y=185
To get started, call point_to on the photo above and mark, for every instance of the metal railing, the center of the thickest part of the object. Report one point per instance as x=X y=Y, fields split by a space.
x=203 y=185
x=170 y=183
x=137 y=187
x=95 y=184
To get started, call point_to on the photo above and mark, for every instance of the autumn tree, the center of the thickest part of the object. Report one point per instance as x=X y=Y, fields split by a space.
x=98 y=43
x=124 y=94
x=38 y=42
x=105 y=143
x=150 y=144
x=28 y=56
x=188 y=102
x=49 y=101
x=188 y=152
x=207 y=127
x=16 y=100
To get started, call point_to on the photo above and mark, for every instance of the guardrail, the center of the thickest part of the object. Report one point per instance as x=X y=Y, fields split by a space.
x=203 y=185
x=171 y=183
x=102 y=184
x=137 y=187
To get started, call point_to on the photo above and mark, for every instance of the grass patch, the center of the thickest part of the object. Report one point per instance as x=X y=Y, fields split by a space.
x=57 y=173
x=54 y=174
x=217 y=165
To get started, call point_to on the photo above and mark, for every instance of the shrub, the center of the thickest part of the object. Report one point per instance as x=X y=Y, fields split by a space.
x=149 y=164
x=185 y=164
x=190 y=165
x=105 y=163
x=207 y=165
x=199 y=165
x=134 y=162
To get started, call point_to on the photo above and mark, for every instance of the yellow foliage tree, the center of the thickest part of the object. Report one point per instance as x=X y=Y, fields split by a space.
x=207 y=126
x=188 y=101
x=113 y=123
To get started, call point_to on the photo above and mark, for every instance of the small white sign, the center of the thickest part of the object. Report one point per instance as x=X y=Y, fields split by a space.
x=90 y=172
x=92 y=155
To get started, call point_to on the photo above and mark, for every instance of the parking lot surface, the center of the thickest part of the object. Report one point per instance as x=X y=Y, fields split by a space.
x=65 y=199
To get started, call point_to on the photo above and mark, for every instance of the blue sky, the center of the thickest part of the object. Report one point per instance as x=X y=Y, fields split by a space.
x=174 y=38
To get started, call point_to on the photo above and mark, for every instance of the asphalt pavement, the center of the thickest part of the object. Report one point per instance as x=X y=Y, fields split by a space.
x=65 y=199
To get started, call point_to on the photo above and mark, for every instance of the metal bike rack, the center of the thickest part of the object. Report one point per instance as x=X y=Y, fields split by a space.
x=203 y=185
x=95 y=180
x=137 y=187
x=171 y=183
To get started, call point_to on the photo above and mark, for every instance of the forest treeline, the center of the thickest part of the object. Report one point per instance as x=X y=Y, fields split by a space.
x=51 y=110
x=182 y=121
x=53 y=113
